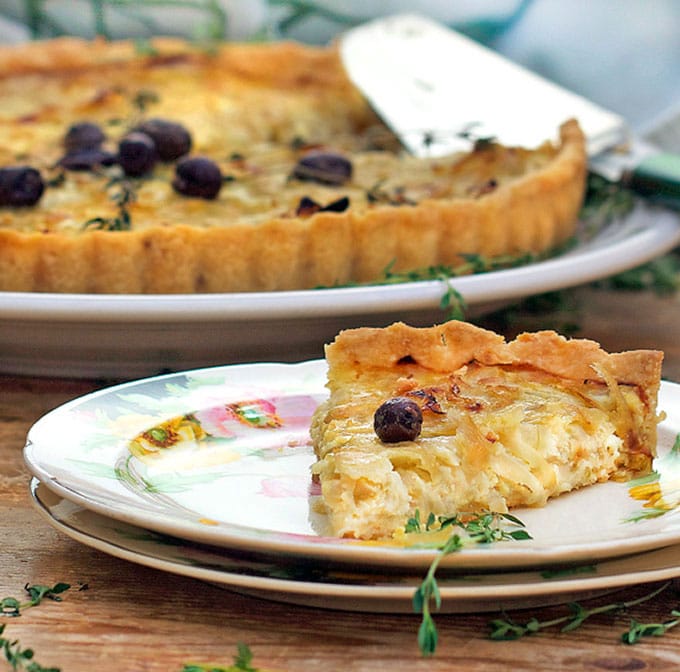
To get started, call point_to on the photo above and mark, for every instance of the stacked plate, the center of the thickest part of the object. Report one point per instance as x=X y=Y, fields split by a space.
x=206 y=474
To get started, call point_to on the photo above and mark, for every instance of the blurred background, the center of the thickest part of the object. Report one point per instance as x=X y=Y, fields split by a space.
x=623 y=54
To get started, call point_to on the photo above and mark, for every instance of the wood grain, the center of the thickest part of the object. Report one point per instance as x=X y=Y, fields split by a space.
x=121 y=616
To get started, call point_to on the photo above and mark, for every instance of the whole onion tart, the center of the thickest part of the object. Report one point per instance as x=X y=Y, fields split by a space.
x=251 y=167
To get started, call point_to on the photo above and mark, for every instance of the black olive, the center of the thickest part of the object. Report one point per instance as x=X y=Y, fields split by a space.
x=87 y=159
x=398 y=419
x=308 y=206
x=172 y=139
x=137 y=154
x=339 y=205
x=83 y=135
x=323 y=167
x=20 y=186
x=197 y=176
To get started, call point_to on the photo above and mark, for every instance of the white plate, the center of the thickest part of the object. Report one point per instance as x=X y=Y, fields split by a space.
x=122 y=336
x=240 y=477
x=336 y=588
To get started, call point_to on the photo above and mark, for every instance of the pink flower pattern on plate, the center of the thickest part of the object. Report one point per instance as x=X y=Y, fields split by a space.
x=292 y=486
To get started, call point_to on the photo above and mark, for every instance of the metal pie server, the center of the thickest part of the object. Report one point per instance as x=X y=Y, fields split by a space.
x=438 y=89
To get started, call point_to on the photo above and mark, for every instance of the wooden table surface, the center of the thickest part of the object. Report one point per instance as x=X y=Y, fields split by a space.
x=135 y=618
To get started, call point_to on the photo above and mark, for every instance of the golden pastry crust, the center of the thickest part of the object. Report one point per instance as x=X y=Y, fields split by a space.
x=505 y=424
x=255 y=109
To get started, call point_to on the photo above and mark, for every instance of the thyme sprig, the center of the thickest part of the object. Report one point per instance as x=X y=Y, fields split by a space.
x=298 y=11
x=508 y=629
x=11 y=606
x=605 y=202
x=660 y=275
x=428 y=592
x=18 y=657
x=42 y=22
x=242 y=663
x=122 y=196
x=480 y=528
x=639 y=630
x=485 y=528
x=452 y=302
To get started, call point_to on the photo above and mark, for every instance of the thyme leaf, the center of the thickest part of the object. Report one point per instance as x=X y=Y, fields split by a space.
x=376 y=194
x=413 y=524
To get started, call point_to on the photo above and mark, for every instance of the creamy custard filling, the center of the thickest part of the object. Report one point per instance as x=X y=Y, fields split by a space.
x=493 y=437
x=256 y=136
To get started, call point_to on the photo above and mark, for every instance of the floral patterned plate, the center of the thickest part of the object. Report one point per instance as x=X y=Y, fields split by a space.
x=221 y=456
x=337 y=588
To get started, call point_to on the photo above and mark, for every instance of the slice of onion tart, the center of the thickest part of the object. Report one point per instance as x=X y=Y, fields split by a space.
x=453 y=418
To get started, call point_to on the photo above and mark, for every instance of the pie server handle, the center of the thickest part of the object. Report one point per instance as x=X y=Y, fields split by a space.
x=657 y=178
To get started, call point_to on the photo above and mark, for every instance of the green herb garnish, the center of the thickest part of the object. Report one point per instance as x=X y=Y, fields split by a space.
x=10 y=606
x=18 y=657
x=451 y=302
x=299 y=11
x=377 y=194
x=486 y=528
x=143 y=99
x=42 y=22
x=507 y=629
x=639 y=630
x=123 y=195
x=661 y=275
x=242 y=663
x=427 y=592
x=604 y=202
x=413 y=524
x=481 y=528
